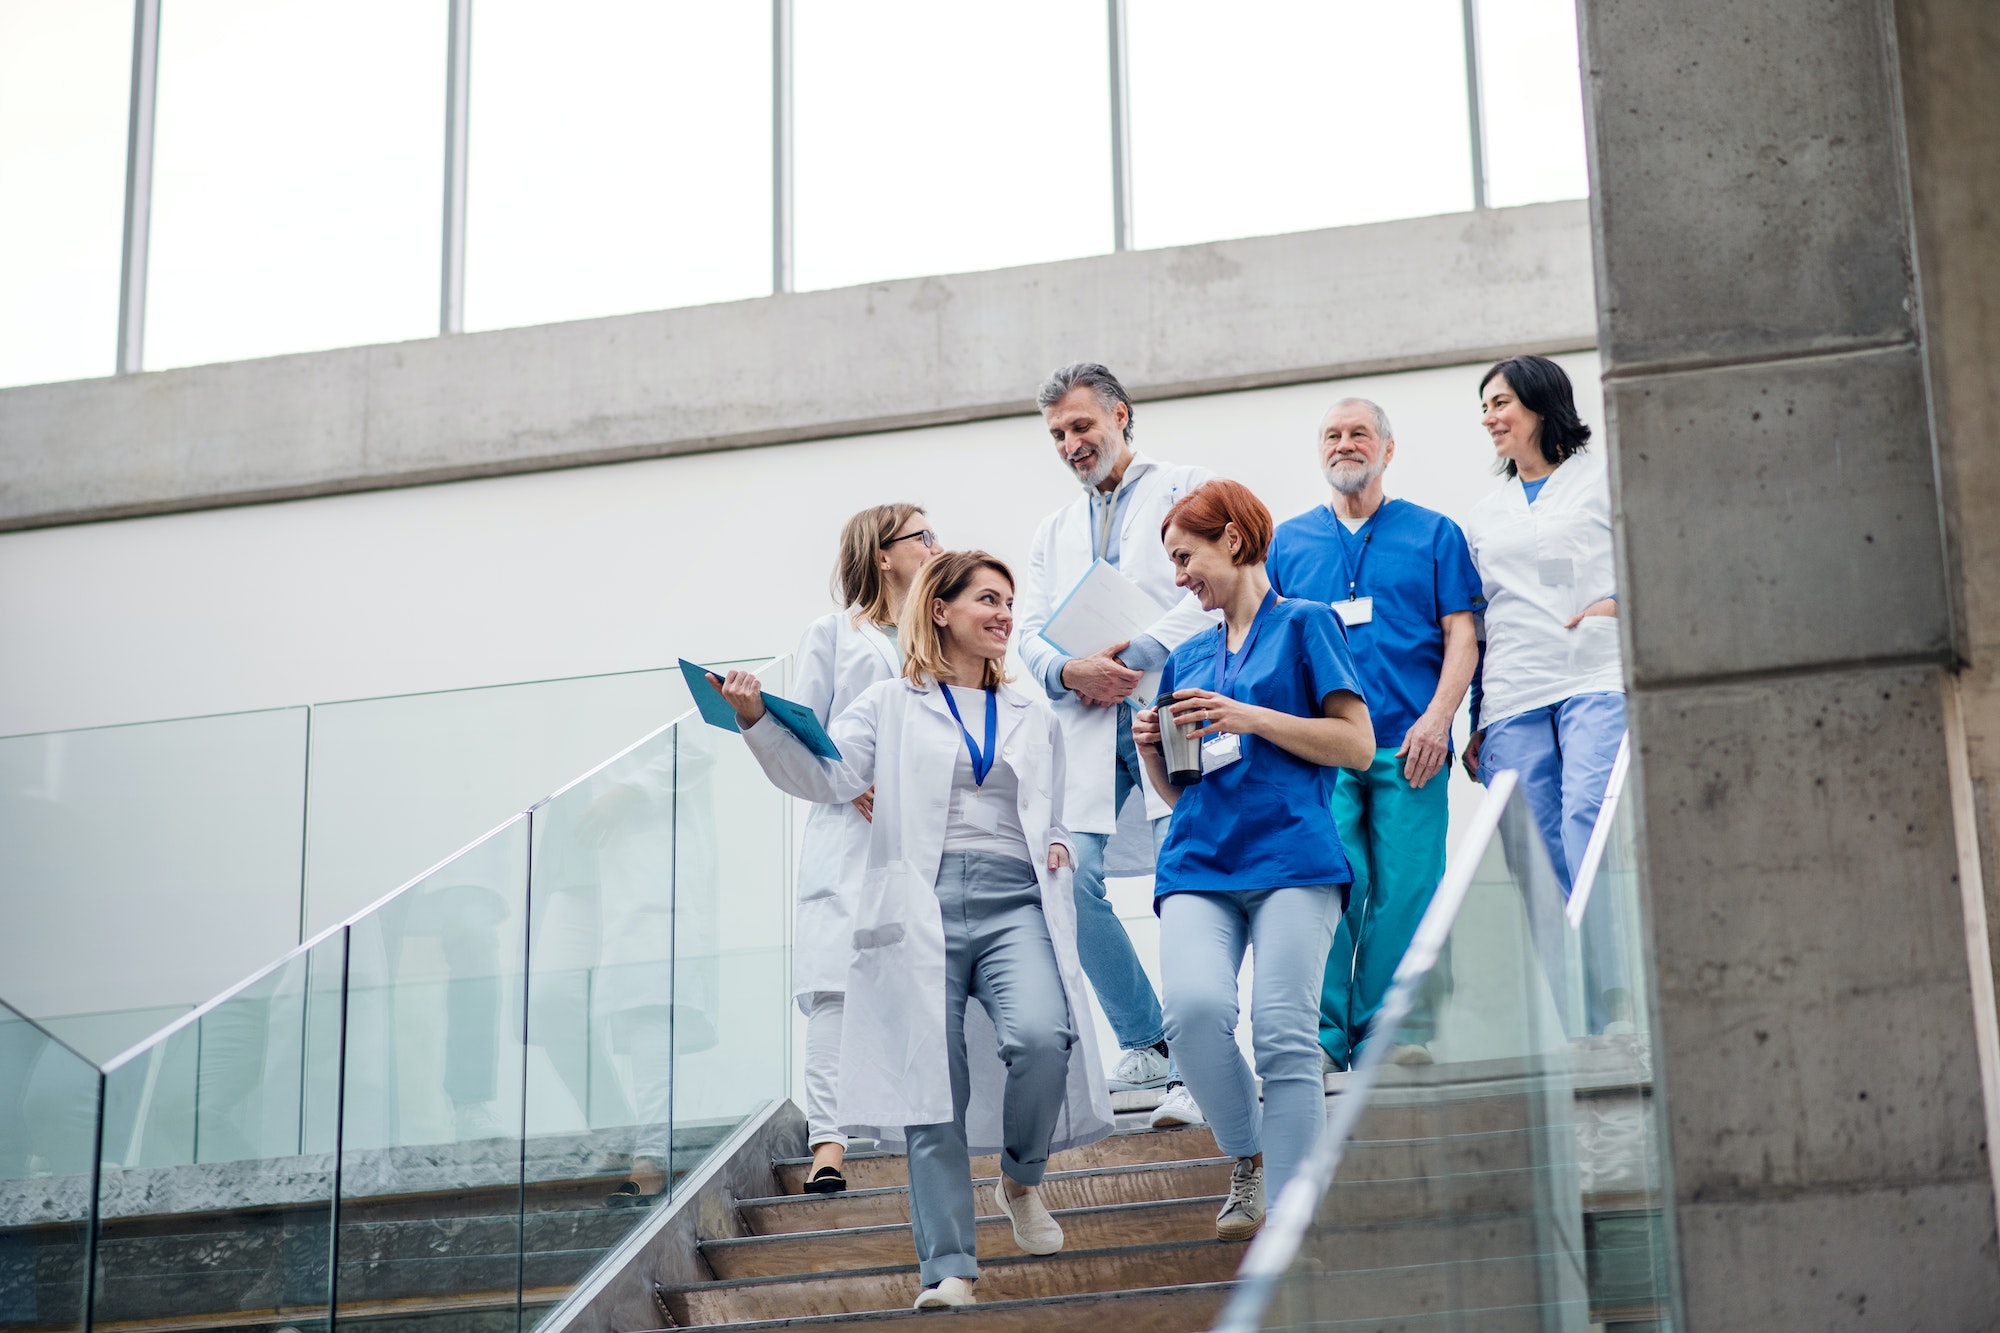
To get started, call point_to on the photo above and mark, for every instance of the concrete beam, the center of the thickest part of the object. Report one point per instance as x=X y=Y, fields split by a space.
x=1197 y=319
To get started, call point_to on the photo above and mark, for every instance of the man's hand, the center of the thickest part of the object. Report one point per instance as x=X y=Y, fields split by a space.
x=1603 y=606
x=1101 y=680
x=743 y=692
x=1058 y=856
x=1426 y=749
x=865 y=803
x=1471 y=756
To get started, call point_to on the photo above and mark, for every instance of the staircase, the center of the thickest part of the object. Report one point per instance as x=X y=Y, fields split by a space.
x=1140 y=1253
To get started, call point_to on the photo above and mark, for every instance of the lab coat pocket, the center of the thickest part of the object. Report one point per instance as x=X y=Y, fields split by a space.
x=889 y=900
x=1593 y=644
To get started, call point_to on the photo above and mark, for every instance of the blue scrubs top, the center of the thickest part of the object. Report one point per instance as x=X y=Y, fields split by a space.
x=1265 y=821
x=1414 y=562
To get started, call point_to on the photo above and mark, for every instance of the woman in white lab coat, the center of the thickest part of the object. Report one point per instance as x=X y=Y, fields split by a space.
x=882 y=549
x=967 y=894
x=1548 y=701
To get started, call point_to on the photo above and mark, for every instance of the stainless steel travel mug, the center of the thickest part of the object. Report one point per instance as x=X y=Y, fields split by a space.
x=1177 y=743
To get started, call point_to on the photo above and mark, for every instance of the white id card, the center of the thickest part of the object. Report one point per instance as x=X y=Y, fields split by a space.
x=1220 y=751
x=1556 y=573
x=1355 y=610
x=976 y=811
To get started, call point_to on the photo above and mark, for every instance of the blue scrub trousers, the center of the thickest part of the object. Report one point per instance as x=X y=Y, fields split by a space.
x=1564 y=753
x=997 y=950
x=1202 y=939
x=1394 y=837
x=1124 y=991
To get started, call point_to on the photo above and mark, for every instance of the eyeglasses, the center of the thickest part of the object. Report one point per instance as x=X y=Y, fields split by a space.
x=928 y=538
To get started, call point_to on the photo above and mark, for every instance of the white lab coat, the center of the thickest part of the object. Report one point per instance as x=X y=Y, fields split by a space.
x=1540 y=564
x=837 y=660
x=1063 y=552
x=899 y=738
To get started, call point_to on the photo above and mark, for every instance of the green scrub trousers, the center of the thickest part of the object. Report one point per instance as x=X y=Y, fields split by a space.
x=1394 y=837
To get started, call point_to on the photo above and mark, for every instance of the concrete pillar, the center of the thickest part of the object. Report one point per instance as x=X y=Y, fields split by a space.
x=1791 y=638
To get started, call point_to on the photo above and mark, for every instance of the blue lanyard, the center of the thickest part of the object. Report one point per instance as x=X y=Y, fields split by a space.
x=982 y=764
x=1366 y=532
x=1232 y=668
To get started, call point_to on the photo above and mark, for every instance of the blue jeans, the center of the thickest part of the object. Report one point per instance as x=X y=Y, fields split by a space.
x=1202 y=939
x=1564 y=753
x=1123 y=989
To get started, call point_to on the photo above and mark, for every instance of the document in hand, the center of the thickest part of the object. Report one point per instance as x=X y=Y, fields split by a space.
x=1104 y=608
x=793 y=717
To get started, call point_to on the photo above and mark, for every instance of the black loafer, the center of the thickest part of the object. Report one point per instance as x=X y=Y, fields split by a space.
x=826 y=1180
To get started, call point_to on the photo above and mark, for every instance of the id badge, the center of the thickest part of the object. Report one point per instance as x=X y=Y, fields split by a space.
x=1220 y=751
x=1555 y=573
x=1355 y=610
x=976 y=811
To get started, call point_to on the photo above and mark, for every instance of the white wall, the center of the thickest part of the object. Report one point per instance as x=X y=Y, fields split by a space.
x=601 y=569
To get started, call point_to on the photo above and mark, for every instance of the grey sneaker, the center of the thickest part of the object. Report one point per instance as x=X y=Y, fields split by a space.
x=1143 y=1068
x=1242 y=1214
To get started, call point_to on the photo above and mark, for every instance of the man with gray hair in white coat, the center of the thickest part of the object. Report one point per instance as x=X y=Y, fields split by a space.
x=1117 y=520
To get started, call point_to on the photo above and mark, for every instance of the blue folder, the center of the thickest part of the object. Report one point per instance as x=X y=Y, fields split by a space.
x=793 y=717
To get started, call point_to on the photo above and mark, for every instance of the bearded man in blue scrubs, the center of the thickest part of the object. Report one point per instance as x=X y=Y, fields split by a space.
x=1401 y=579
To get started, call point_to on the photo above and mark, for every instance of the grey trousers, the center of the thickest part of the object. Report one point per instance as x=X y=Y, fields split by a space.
x=997 y=949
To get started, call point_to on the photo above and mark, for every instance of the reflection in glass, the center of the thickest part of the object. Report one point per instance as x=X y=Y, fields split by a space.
x=48 y=1132
x=430 y=1157
x=1285 y=115
x=1532 y=101
x=620 y=158
x=65 y=70
x=948 y=138
x=299 y=167
x=213 y=1202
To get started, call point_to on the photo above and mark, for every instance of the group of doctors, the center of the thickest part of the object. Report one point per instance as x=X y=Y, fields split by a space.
x=958 y=847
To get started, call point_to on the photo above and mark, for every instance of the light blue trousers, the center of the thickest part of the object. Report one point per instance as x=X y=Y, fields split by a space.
x=1124 y=991
x=997 y=949
x=1202 y=940
x=1564 y=753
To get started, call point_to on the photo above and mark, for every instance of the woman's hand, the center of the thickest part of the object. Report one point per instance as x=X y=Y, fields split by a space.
x=1146 y=729
x=743 y=692
x=1216 y=713
x=1058 y=856
x=1472 y=744
x=865 y=803
x=1603 y=606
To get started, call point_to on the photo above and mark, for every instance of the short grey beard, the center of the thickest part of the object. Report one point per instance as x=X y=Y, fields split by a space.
x=1352 y=485
x=1095 y=477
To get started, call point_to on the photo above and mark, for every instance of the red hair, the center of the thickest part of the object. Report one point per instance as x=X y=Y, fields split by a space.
x=1212 y=506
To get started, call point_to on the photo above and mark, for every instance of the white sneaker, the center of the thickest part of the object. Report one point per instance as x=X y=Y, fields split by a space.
x=1410 y=1054
x=1143 y=1068
x=1035 y=1231
x=1242 y=1214
x=951 y=1291
x=1175 y=1109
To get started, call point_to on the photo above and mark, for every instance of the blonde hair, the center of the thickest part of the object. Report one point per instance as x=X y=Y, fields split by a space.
x=857 y=579
x=922 y=641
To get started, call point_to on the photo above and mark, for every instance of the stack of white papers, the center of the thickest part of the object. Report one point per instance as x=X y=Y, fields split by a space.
x=1104 y=608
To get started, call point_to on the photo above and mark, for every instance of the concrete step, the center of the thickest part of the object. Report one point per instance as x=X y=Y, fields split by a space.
x=1186 y=1308
x=1002 y=1278
x=785 y=1214
x=876 y=1170
x=1108 y=1227
x=1417 y=1291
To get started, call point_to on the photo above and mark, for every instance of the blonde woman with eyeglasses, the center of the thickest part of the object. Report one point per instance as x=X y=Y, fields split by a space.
x=967 y=895
x=882 y=550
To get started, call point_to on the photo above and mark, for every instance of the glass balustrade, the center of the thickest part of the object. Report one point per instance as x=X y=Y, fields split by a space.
x=1482 y=1167
x=443 y=1110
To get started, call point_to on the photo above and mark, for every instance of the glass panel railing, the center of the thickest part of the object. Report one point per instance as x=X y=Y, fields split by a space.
x=110 y=836
x=49 y=1107
x=1447 y=1195
x=399 y=781
x=442 y=1111
x=214 y=1205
